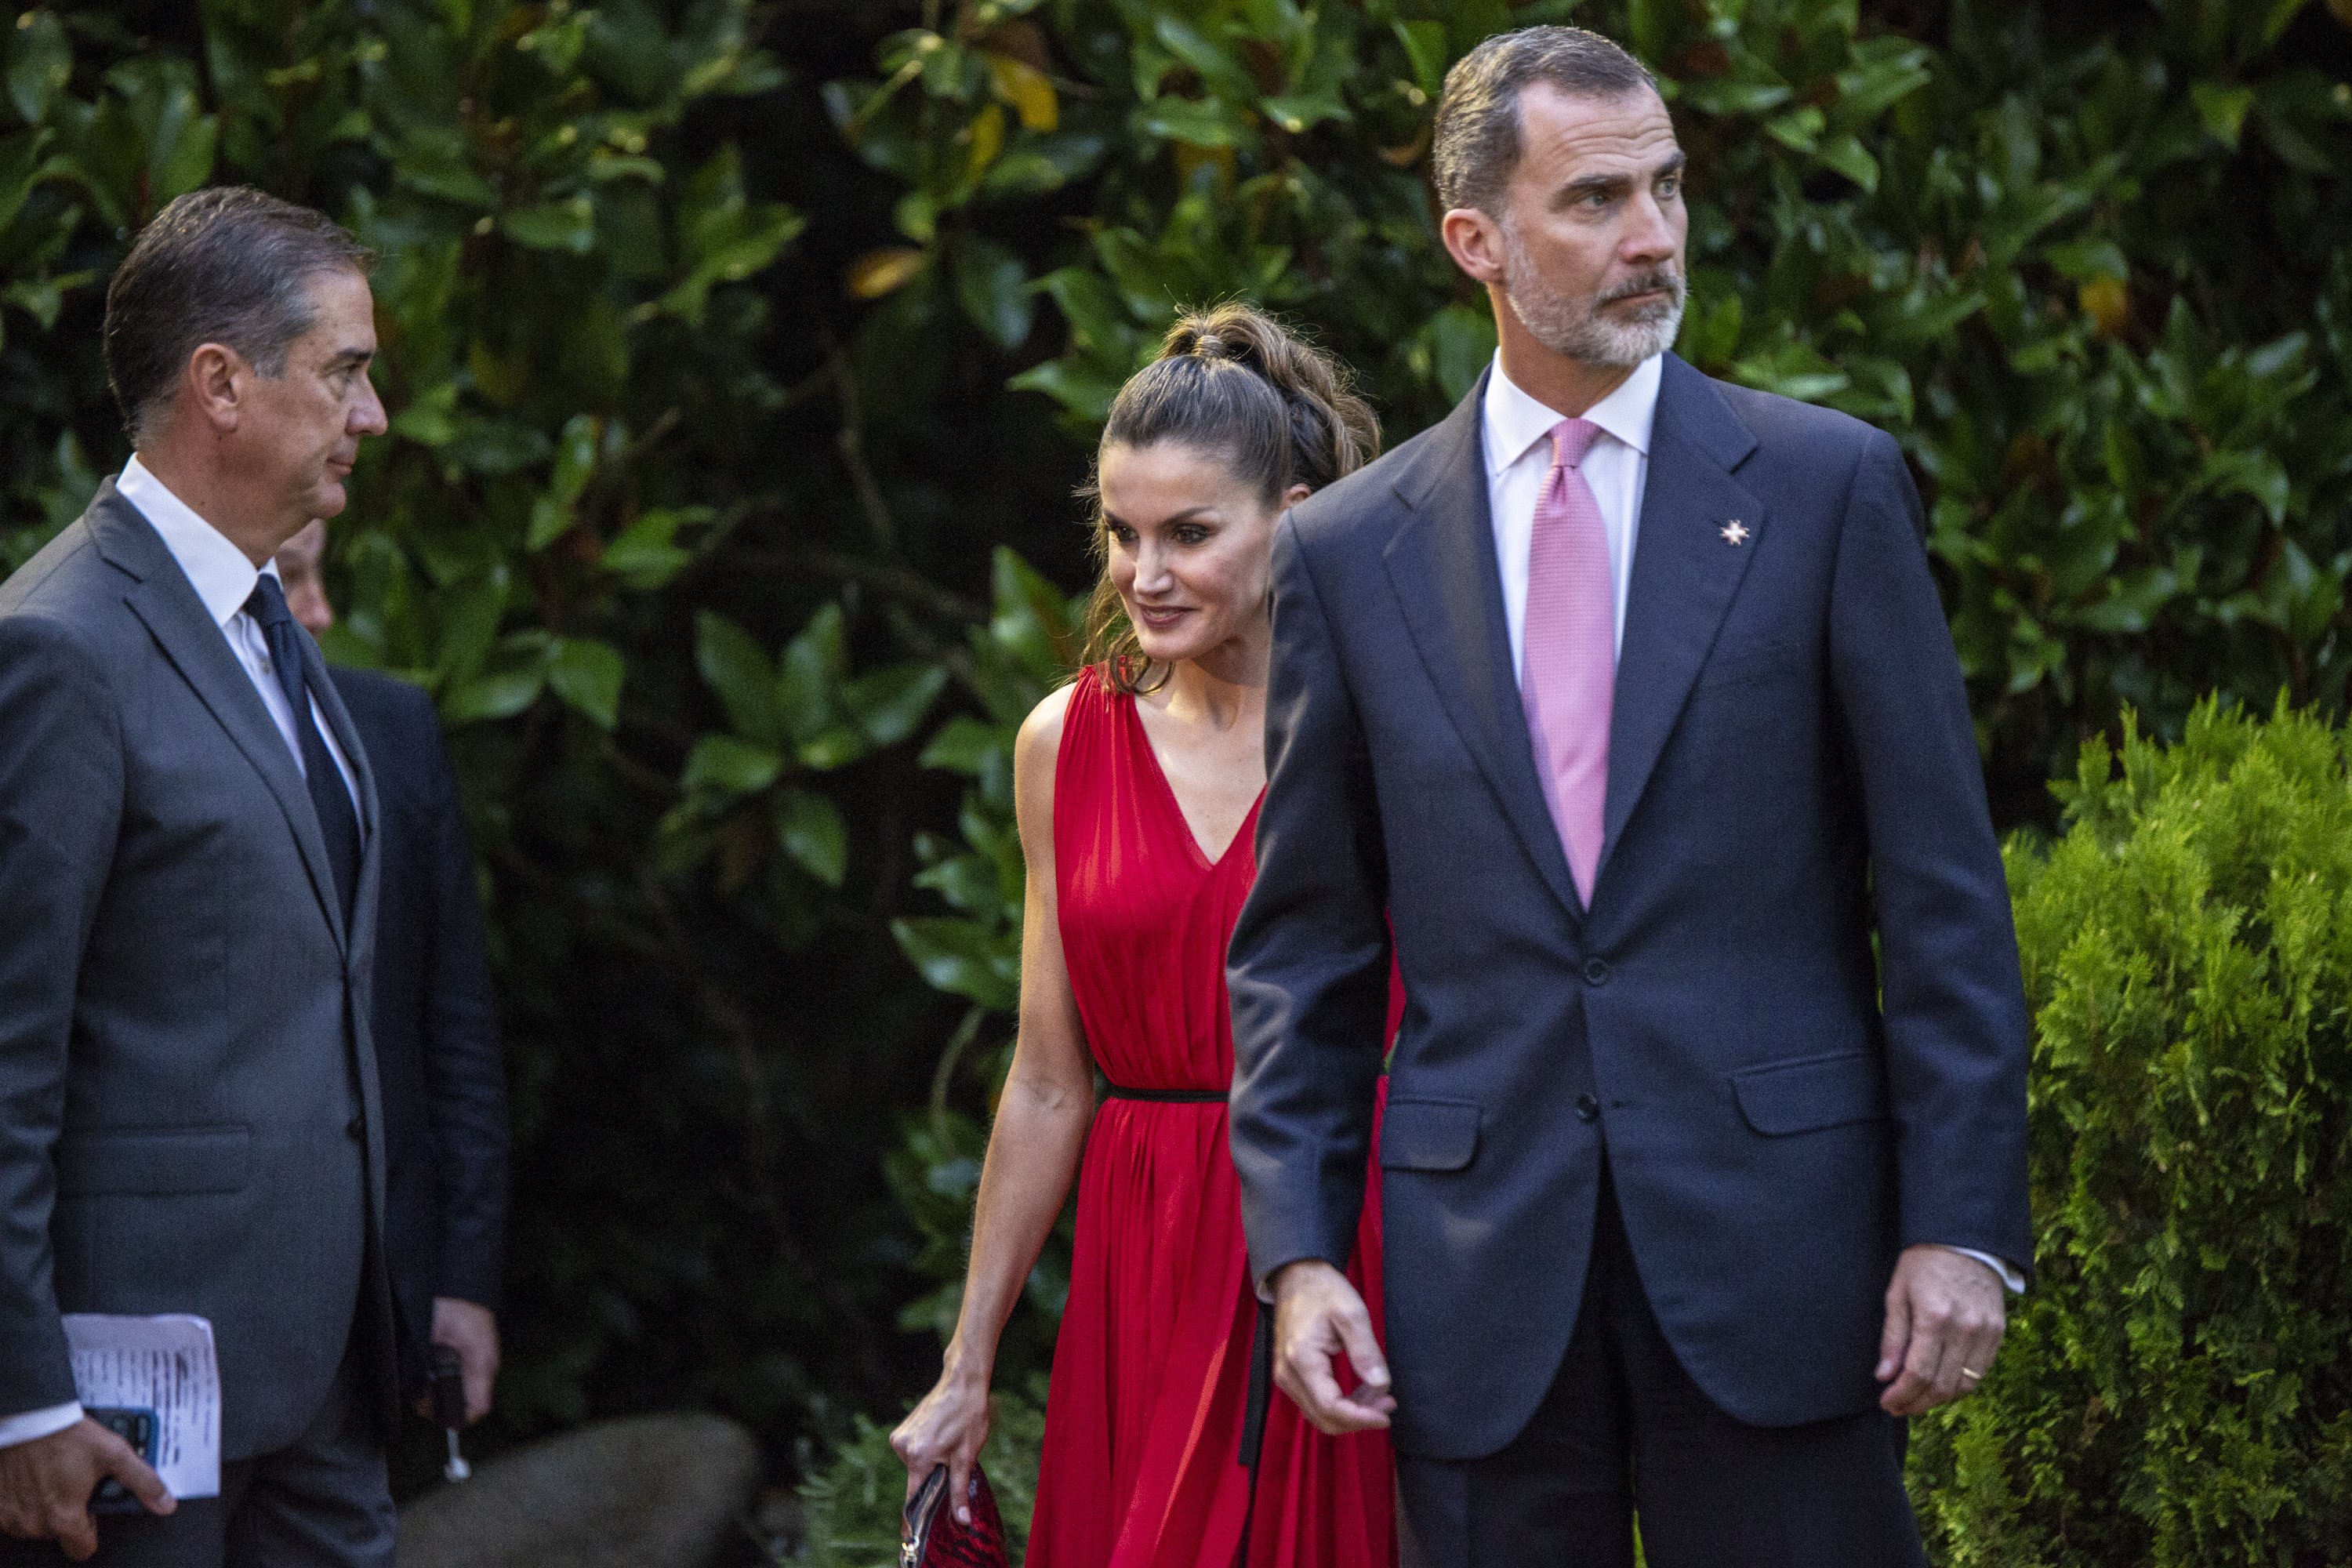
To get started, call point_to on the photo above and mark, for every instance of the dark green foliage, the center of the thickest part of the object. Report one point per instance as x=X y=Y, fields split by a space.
x=2174 y=1390
x=729 y=348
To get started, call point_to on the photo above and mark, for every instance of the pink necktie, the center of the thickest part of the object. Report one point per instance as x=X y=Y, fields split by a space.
x=1568 y=668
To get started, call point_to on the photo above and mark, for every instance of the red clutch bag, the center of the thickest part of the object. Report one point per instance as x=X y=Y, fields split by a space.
x=932 y=1537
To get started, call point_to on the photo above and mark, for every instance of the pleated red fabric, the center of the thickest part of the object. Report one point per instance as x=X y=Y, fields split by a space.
x=1150 y=1374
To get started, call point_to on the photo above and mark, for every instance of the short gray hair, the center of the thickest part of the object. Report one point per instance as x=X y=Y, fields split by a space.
x=230 y=265
x=1475 y=146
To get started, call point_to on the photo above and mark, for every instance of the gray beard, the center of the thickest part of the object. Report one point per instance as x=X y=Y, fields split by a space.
x=1576 y=329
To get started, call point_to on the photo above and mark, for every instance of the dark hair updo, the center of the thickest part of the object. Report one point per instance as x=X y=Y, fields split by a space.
x=1233 y=382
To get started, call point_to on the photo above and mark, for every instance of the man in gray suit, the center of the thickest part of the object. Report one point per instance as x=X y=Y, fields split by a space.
x=188 y=1102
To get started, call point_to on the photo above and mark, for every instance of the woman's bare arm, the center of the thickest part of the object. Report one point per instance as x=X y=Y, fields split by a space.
x=1033 y=1151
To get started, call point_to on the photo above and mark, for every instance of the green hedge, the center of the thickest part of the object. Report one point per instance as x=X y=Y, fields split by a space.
x=2177 y=1388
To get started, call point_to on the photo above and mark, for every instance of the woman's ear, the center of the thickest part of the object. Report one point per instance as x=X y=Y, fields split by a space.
x=1294 y=495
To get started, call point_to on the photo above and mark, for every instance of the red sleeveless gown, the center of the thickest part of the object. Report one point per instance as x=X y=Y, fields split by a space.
x=1151 y=1374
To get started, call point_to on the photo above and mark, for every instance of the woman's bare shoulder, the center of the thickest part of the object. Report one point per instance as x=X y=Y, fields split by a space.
x=1040 y=736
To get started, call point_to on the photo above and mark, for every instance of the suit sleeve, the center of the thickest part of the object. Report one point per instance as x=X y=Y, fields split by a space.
x=465 y=1075
x=1951 y=994
x=1308 y=969
x=61 y=783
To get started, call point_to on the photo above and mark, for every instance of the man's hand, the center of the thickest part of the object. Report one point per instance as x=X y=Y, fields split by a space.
x=45 y=1485
x=1944 y=1321
x=1317 y=1319
x=473 y=1333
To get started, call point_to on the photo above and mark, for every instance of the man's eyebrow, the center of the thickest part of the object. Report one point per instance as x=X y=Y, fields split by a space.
x=1615 y=184
x=351 y=356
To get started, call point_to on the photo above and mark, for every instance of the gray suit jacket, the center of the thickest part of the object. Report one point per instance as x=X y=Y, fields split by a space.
x=188 y=1104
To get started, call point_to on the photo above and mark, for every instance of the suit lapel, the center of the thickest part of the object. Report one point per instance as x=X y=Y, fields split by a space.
x=190 y=638
x=1442 y=564
x=1684 y=573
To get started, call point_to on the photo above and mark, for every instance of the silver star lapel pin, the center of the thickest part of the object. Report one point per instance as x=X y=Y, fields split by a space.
x=1735 y=533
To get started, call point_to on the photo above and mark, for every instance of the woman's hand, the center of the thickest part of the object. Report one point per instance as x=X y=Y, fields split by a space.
x=947 y=1428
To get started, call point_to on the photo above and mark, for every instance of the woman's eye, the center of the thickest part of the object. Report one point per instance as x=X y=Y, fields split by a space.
x=1190 y=534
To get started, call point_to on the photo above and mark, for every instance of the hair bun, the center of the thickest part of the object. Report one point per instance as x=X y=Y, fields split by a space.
x=1209 y=345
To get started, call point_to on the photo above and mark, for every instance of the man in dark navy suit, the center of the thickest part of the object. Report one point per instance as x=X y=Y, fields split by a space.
x=436 y=1036
x=1627 y=696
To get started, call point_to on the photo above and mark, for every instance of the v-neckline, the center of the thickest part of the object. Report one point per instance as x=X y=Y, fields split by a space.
x=1201 y=856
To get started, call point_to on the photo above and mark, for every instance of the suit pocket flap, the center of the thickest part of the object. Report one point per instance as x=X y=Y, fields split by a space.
x=1429 y=1135
x=1798 y=1097
x=153 y=1160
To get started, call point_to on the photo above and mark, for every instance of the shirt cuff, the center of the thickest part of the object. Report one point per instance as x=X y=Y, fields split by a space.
x=37 y=1424
x=2008 y=1272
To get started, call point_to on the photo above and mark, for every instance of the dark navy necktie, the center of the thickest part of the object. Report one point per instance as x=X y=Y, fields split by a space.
x=338 y=823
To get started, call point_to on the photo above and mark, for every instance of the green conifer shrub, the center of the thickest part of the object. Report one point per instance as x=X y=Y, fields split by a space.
x=2174 y=1388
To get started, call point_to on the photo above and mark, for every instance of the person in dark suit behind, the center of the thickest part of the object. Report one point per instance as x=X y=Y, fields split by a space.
x=189 y=852
x=437 y=1040
x=1626 y=696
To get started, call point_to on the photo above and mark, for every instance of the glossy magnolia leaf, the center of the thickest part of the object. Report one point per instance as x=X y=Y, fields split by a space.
x=993 y=286
x=1225 y=76
x=734 y=667
x=964 y=744
x=40 y=64
x=878 y=272
x=955 y=955
x=1033 y=620
x=1201 y=122
x=1425 y=50
x=1792 y=370
x=2222 y=107
x=644 y=556
x=835 y=746
x=1028 y=89
x=498 y=694
x=569 y=224
x=809 y=828
x=889 y=703
x=1462 y=339
x=551 y=514
x=1848 y=157
x=727 y=766
x=811 y=670
x=586 y=673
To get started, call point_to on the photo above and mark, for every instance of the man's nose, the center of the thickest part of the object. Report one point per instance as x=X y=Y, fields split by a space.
x=1650 y=234
x=367 y=412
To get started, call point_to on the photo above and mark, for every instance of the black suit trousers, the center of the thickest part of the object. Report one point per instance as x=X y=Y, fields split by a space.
x=1625 y=1432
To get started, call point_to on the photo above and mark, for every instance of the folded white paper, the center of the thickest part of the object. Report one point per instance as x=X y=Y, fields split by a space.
x=164 y=1365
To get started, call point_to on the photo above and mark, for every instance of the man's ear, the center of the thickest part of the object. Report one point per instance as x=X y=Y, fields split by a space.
x=1476 y=243
x=216 y=378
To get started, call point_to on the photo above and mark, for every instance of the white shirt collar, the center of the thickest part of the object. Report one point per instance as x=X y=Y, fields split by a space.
x=218 y=570
x=1516 y=421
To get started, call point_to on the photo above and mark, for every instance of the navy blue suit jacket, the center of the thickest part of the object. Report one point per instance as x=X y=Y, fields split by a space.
x=435 y=1026
x=1791 y=770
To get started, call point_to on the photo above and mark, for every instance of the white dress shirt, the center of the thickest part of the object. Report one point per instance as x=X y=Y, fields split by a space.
x=223 y=578
x=1617 y=467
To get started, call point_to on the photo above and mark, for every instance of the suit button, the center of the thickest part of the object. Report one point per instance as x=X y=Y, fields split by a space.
x=1587 y=1108
x=1596 y=972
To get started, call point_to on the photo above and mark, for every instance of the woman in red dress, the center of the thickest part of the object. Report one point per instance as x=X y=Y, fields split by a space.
x=1137 y=790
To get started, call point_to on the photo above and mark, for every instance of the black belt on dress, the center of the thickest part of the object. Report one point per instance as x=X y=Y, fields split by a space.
x=1166 y=1096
